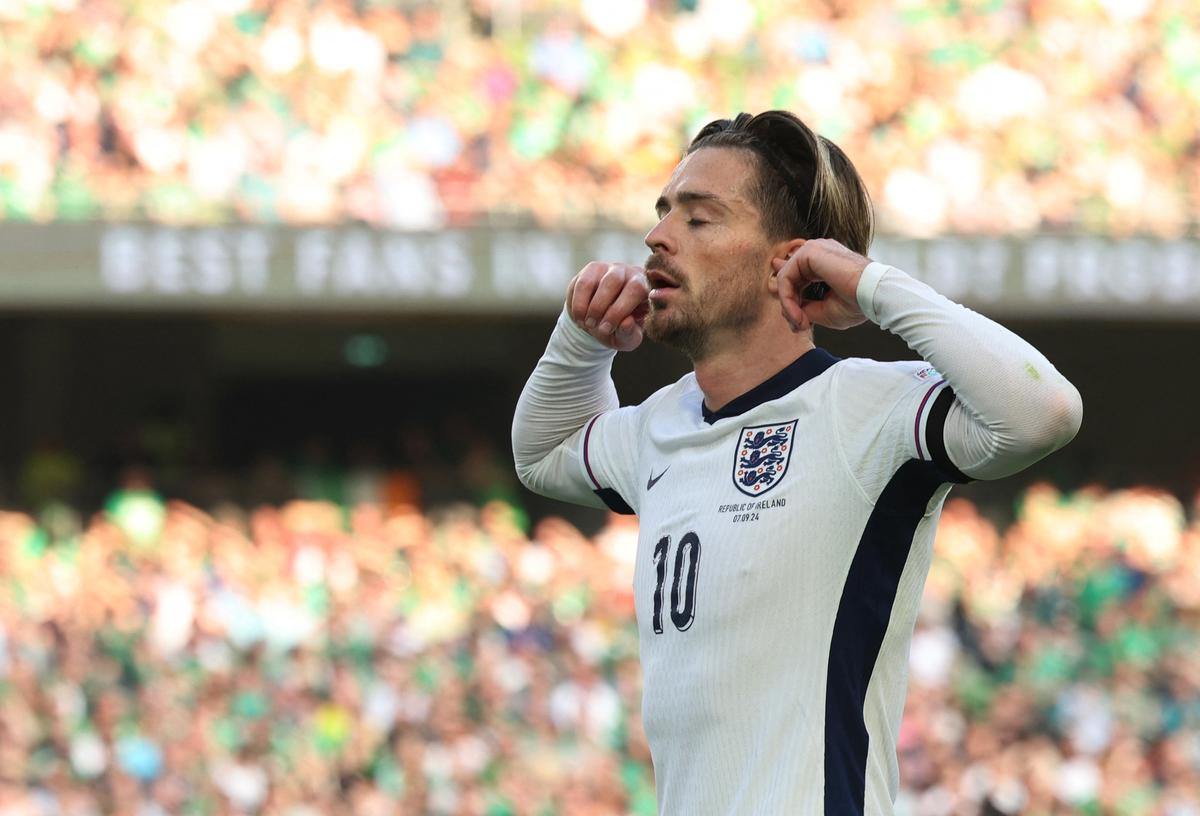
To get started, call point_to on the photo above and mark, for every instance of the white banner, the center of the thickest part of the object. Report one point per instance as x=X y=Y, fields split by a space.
x=126 y=266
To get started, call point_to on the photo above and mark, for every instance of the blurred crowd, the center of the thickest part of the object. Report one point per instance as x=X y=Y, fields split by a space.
x=965 y=115
x=321 y=658
x=316 y=659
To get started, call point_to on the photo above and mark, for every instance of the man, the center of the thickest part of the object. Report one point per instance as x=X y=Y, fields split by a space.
x=787 y=499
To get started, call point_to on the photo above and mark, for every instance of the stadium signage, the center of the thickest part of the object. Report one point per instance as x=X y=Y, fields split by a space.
x=246 y=267
x=355 y=267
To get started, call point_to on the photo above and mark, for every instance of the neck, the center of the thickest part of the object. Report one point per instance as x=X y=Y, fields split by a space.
x=747 y=358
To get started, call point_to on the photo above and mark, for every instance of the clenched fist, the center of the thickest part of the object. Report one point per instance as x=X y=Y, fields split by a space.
x=610 y=301
x=820 y=260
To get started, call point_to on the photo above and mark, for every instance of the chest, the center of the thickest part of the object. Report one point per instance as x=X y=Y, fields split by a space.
x=763 y=515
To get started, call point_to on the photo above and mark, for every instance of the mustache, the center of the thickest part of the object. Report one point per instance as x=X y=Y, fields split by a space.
x=659 y=264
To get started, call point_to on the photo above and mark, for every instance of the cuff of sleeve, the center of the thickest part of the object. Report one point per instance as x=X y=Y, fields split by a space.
x=579 y=341
x=867 y=285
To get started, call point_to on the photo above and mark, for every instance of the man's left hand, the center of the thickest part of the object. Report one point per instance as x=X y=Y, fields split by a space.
x=821 y=260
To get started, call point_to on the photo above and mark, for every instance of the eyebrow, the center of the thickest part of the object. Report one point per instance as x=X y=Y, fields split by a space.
x=689 y=197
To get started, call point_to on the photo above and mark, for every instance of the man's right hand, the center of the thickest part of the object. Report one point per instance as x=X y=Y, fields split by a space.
x=610 y=302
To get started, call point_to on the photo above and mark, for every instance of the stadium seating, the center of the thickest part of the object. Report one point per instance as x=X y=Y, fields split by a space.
x=970 y=117
x=315 y=658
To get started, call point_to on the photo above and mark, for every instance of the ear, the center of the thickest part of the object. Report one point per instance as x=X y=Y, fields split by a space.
x=783 y=250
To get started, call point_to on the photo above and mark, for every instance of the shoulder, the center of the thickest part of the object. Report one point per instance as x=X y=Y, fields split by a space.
x=669 y=402
x=875 y=375
x=867 y=392
x=680 y=396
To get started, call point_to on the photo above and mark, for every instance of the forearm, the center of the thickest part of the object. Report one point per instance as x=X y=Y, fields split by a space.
x=1013 y=407
x=570 y=384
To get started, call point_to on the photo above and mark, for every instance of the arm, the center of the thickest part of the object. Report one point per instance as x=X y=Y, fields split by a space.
x=1010 y=407
x=569 y=386
x=571 y=395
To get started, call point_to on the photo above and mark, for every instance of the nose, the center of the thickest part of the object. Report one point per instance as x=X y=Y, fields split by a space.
x=659 y=238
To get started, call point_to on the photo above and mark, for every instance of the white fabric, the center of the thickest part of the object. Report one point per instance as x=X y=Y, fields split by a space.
x=1012 y=407
x=735 y=682
x=569 y=386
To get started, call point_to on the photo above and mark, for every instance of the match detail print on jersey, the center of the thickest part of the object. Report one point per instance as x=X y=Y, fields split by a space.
x=763 y=455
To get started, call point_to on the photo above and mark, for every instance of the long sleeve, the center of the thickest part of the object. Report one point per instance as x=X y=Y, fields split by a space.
x=570 y=386
x=1010 y=406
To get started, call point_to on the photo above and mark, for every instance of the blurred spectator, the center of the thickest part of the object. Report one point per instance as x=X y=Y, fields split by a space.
x=312 y=658
x=970 y=117
x=50 y=473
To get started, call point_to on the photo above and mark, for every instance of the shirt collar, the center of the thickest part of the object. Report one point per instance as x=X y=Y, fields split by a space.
x=808 y=365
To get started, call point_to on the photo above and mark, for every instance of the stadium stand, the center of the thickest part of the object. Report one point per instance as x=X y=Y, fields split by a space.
x=972 y=117
x=221 y=595
x=320 y=658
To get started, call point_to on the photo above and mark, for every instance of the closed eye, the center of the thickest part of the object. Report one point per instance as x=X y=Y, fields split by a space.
x=695 y=222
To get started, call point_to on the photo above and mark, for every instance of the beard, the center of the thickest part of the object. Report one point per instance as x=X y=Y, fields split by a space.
x=677 y=327
x=730 y=306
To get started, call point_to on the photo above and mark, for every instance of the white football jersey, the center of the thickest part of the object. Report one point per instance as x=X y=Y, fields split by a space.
x=783 y=549
x=785 y=539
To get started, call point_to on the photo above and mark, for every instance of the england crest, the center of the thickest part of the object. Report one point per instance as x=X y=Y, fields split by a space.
x=762 y=456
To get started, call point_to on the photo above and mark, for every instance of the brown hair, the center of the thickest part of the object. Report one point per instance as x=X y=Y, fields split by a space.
x=806 y=187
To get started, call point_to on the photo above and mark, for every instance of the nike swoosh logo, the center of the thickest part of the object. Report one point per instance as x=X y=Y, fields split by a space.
x=653 y=480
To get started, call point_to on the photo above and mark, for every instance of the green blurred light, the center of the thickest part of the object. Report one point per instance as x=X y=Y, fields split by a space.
x=366 y=351
x=139 y=514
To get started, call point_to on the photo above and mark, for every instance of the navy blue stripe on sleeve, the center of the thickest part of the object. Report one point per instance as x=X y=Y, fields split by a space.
x=935 y=437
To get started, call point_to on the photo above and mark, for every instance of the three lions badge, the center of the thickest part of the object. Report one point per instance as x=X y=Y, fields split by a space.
x=762 y=456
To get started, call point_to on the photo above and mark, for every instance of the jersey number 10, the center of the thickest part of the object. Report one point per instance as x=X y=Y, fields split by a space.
x=683 y=610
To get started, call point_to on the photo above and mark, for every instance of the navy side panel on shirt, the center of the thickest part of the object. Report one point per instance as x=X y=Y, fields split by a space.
x=861 y=623
x=613 y=501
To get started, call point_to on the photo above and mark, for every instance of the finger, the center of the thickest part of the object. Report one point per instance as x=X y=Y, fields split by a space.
x=789 y=296
x=816 y=312
x=798 y=287
x=606 y=293
x=817 y=290
x=628 y=335
x=804 y=322
x=585 y=287
x=633 y=294
x=640 y=312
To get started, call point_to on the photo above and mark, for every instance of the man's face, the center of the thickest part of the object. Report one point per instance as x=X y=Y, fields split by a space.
x=710 y=257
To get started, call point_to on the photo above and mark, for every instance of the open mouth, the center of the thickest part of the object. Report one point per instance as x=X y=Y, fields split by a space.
x=659 y=281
